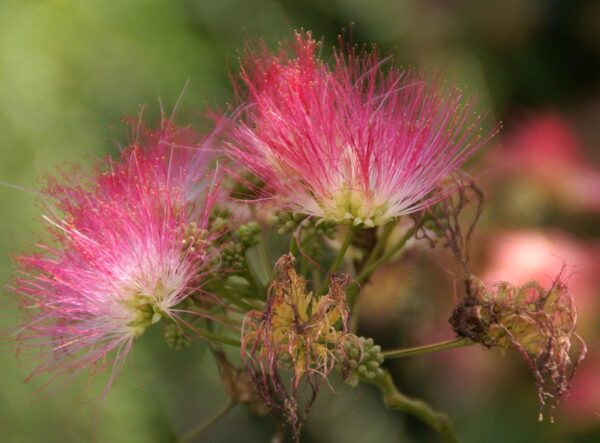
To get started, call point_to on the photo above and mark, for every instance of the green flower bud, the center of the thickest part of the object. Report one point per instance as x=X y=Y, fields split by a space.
x=175 y=338
x=363 y=360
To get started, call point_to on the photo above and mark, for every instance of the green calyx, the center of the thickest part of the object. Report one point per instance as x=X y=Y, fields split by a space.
x=354 y=208
x=145 y=314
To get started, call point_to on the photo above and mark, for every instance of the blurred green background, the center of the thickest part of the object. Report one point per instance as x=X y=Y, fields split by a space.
x=70 y=69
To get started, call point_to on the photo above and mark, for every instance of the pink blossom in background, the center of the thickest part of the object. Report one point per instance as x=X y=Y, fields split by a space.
x=349 y=143
x=582 y=406
x=120 y=261
x=545 y=149
x=544 y=143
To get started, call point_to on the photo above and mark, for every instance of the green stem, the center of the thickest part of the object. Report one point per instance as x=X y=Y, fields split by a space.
x=218 y=338
x=368 y=270
x=262 y=245
x=237 y=301
x=458 y=342
x=264 y=255
x=253 y=271
x=375 y=253
x=342 y=252
x=339 y=258
x=303 y=260
x=395 y=400
x=207 y=423
x=316 y=277
x=381 y=241
x=293 y=247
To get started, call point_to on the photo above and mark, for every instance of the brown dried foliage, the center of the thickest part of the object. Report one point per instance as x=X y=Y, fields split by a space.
x=538 y=323
x=444 y=219
x=296 y=333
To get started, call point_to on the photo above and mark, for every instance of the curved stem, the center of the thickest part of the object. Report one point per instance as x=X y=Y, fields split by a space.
x=293 y=247
x=395 y=400
x=253 y=271
x=207 y=423
x=262 y=245
x=458 y=342
x=218 y=338
x=337 y=261
x=381 y=242
x=342 y=252
x=264 y=255
x=368 y=270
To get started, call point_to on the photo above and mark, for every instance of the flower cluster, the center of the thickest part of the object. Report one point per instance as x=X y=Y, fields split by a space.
x=332 y=154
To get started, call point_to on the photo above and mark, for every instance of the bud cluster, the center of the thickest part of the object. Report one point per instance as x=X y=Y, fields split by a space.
x=288 y=222
x=233 y=252
x=175 y=337
x=219 y=219
x=363 y=359
x=249 y=234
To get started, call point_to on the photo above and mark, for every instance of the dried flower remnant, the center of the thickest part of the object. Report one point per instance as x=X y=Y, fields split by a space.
x=131 y=243
x=299 y=332
x=445 y=220
x=350 y=143
x=538 y=323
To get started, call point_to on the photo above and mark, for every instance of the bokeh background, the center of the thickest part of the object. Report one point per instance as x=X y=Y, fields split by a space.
x=70 y=69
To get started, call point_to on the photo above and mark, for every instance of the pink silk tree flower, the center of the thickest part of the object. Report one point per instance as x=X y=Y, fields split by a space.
x=131 y=242
x=349 y=143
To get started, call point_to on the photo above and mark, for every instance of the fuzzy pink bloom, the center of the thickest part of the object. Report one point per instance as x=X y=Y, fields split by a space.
x=349 y=143
x=122 y=259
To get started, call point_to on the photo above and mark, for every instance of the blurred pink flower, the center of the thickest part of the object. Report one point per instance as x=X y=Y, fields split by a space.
x=545 y=149
x=545 y=143
x=582 y=406
x=351 y=143
x=122 y=259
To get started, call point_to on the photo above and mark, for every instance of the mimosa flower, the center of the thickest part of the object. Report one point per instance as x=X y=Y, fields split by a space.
x=350 y=143
x=131 y=243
